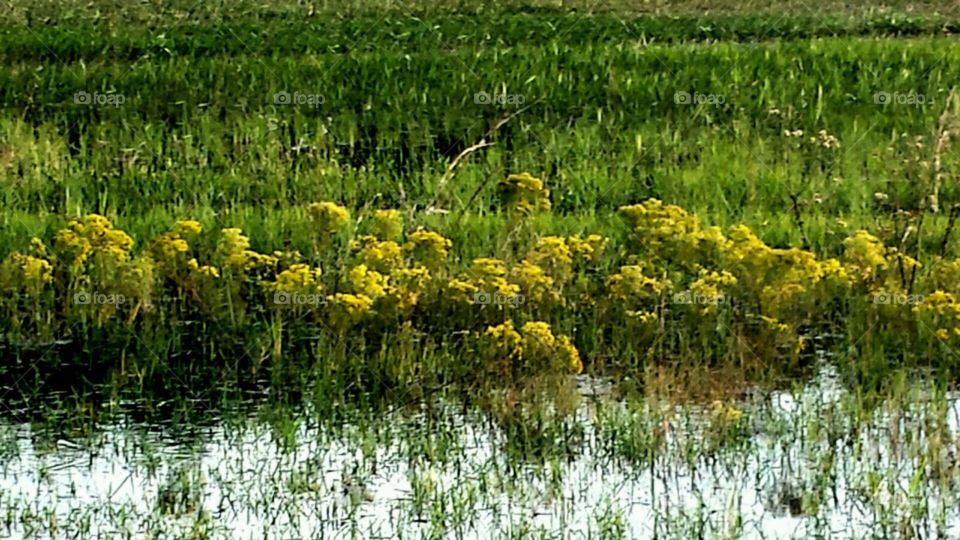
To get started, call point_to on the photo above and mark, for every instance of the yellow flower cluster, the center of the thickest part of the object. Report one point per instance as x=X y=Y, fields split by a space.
x=538 y=339
x=328 y=217
x=233 y=248
x=536 y=286
x=748 y=254
x=486 y=268
x=710 y=289
x=391 y=280
x=630 y=284
x=946 y=275
x=428 y=248
x=205 y=271
x=406 y=286
x=136 y=283
x=642 y=316
x=461 y=291
x=553 y=253
x=381 y=255
x=387 y=224
x=725 y=424
x=170 y=251
x=941 y=311
x=366 y=282
x=189 y=228
x=502 y=342
x=865 y=254
x=348 y=309
x=25 y=272
x=489 y=276
x=588 y=249
x=93 y=236
x=666 y=231
x=169 y=246
x=783 y=286
x=392 y=283
x=725 y=413
x=534 y=345
x=298 y=279
x=568 y=353
x=524 y=193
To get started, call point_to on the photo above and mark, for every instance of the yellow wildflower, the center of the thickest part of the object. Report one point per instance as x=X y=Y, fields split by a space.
x=329 y=217
x=350 y=308
x=406 y=285
x=487 y=268
x=589 y=248
x=538 y=339
x=232 y=247
x=524 y=193
x=189 y=228
x=553 y=254
x=94 y=235
x=20 y=271
x=415 y=278
x=502 y=342
x=205 y=270
x=630 y=283
x=387 y=224
x=298 y=278
x=384 y=256
x=167 y=247
x=569 y=354
x=644 y=317
x=725 y=414
x=428 y=247
x=287 y=258
x=708 y=290
x=461 y=291
x=776 y=325
x=367 y=282
x=666 y=231
x=534 y=283
x=865 y=254
x=38 y=247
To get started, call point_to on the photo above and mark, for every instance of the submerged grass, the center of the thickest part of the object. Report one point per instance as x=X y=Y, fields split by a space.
x=817 y=458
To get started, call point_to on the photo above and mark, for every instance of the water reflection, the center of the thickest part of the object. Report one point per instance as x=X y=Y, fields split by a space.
x=807 y=467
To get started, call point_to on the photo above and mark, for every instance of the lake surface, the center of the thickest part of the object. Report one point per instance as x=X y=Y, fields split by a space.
x=806 y=468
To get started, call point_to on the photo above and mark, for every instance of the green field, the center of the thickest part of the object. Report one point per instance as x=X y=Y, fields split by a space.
x=357 y=208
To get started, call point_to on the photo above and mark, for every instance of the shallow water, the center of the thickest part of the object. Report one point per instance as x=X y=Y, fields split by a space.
x=449 y=476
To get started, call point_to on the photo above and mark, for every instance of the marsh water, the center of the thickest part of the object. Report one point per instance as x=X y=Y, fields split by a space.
x=805 y=465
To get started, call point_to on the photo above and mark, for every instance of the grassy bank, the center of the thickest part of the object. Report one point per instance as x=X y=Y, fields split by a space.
x=806 y=128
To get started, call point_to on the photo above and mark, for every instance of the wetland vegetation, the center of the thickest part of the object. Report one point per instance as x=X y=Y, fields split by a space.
x=466 y=270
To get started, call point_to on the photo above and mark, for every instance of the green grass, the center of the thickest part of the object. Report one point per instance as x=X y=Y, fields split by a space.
x=199 y=134
x=600 y=123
